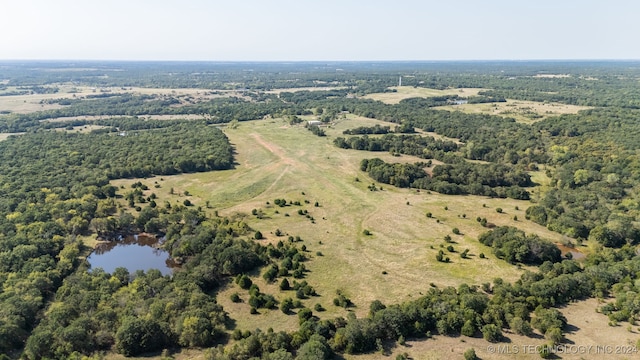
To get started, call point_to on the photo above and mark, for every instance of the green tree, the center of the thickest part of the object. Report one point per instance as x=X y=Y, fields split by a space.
x=195 y=331
x=136 y=336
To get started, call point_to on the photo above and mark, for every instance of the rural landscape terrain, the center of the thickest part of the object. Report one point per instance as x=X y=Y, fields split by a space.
x=339 y=210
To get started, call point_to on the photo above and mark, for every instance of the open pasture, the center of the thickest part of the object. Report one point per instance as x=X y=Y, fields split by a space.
x=406 y=92
x=520 y=110
x=393 y=264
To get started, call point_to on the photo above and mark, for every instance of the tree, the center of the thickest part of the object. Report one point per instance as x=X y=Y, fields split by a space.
x=136 y=336
x=491 y=333
x=284 y=284
x=195 y=331
x=468 y=329
x=304 y=315
x=286 y=305
x=314 y=349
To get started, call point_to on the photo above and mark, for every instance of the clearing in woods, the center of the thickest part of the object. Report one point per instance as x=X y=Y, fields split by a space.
x=406 y=92
x=522 y=111
x=394 y=264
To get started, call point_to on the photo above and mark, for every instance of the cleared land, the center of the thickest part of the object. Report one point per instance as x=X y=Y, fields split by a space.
x=4 y=136
x=23 y=104
x=276 y=160
x=520 y=110
x=406 y=92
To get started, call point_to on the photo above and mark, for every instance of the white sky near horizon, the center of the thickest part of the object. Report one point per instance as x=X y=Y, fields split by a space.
x=305 y=30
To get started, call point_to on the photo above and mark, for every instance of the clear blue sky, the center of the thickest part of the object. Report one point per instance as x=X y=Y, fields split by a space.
x=287 y=30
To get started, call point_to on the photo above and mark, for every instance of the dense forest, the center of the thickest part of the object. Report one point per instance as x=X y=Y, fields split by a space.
x=55 y=189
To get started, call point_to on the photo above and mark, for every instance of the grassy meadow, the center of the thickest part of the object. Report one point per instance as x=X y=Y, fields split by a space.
x=406 y=92
x=393 y=264
x=522 y=111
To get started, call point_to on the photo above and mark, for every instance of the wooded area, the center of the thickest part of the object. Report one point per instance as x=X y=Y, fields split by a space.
x=55 y=191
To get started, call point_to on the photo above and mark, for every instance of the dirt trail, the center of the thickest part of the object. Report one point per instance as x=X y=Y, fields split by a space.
x=274 y=149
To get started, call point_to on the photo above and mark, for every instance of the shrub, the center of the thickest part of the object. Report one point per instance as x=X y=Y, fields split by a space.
x=491 y=333
x=284 y=284
x=244 y=282
x=470 y=354
x=235 y=297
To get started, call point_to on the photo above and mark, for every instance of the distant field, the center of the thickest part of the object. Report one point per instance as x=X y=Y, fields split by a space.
x=23 y=104
x=276 y=160
x=323 y=88
x=520 y=110
x=145 y=117
x=406 y=92
x=83 y=129
x=4 y=136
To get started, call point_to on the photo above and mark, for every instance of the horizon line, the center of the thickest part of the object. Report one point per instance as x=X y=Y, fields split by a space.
x=327 y=61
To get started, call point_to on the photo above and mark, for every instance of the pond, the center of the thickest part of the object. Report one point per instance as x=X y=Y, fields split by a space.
x=137 y=252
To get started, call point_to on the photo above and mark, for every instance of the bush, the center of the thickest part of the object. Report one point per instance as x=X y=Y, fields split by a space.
x=258 y=235
x=244 y=282
x=235 y=297
x=366 y=232
x=286 y=305
x=456 y=231
x=491 y=333
x=284 y=284
x=470 y=354
x=304 y=315
x=499 y=210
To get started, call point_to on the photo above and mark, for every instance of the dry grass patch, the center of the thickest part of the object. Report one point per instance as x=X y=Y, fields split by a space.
x=520 y=110
x=5 y=136
x=23 y=104
x=406 y=92
x=323 y=88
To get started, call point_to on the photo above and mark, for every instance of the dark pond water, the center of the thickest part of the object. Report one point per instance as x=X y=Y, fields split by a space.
x=134 y=253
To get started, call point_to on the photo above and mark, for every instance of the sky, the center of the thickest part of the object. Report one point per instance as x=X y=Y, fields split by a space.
x=327 y=30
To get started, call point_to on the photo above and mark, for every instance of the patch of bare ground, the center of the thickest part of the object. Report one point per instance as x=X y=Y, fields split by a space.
x=323 y=88
x=520 y=110
x=399 y=93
